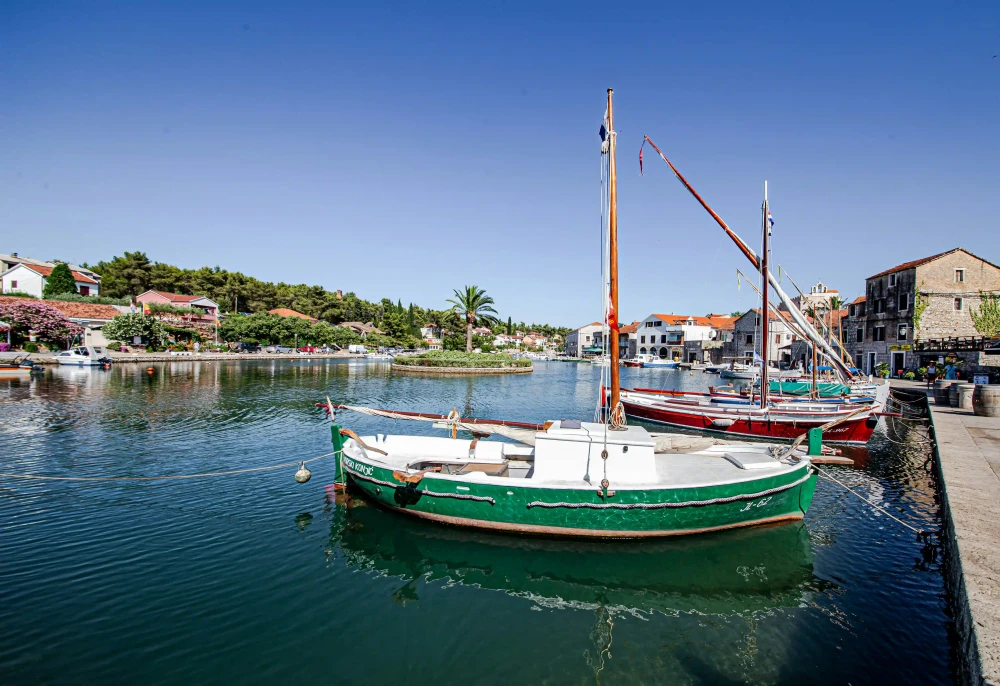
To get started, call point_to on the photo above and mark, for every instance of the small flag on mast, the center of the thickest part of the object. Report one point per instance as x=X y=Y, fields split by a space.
x=605 y=131
x=612 y=317
x=770 y=220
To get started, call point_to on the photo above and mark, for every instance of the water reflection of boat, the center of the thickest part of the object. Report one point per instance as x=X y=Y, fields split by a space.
x=728 y=573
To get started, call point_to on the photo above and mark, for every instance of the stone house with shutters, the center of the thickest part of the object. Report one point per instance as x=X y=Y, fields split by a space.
x=919 y=311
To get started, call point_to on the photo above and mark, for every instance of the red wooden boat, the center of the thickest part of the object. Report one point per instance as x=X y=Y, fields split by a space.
x=784 y=421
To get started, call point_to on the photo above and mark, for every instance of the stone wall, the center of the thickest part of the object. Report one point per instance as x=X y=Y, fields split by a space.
x=936 y=281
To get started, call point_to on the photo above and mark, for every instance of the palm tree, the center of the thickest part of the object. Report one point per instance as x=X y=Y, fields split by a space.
x=474 y=306
x=836 y=302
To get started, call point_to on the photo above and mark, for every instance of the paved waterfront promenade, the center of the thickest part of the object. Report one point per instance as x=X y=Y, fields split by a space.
x=968 y=454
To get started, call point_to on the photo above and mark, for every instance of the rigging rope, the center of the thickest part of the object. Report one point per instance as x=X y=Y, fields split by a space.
x=825 y=475
x=40 y=477
x=525 y=436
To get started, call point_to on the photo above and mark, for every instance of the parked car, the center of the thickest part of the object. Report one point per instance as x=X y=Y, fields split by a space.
x=309 y=349
x=245 y=347
x=281 y=349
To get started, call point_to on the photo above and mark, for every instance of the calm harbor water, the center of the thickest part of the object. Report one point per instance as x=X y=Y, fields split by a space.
x=256 y=579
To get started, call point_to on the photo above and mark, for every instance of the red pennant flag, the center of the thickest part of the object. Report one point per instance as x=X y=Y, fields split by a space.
x=640 y=159
x=612 y=317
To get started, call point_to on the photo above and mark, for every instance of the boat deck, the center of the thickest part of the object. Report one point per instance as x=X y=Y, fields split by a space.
x=502 y=463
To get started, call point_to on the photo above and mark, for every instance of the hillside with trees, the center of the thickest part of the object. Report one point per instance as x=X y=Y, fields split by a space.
x=128 y=275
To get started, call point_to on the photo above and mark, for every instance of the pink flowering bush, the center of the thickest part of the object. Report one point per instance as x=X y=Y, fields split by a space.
x=48 y=323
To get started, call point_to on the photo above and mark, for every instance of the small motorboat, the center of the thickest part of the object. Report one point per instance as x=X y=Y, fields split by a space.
x=380 y=356
x=648 y=360
x=20 y=367
x=84 y=356
x=739 y=371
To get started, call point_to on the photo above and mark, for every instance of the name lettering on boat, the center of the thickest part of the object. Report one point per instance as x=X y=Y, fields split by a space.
x=758 y=503
x=364 y=469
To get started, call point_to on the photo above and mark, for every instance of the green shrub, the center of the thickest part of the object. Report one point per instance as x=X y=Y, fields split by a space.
x=92 y=299
x=114 y=346
x=451 y=358
x=31 y=347
x=909 y=376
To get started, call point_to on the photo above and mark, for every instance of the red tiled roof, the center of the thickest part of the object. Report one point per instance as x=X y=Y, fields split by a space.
x=858 y=300
x=84 y=310
x=285 y=312
x=925 y=260
x=177 y=297
x=45 y=271
x=74 y=310
x=630 y=328
x=715 y=320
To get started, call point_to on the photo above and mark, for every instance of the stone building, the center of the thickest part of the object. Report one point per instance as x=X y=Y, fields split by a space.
x=746 y=338
x=832 y=320
x=627 y=338
x=919 y=311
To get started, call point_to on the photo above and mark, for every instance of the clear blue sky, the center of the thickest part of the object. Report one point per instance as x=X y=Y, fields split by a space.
x=405 y=150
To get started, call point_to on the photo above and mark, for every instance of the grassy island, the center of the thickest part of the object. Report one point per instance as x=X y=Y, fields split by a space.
x=456 y=362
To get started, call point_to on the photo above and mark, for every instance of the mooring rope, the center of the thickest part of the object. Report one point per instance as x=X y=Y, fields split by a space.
x=662 y=506
x=825 y=475
x=40 y=477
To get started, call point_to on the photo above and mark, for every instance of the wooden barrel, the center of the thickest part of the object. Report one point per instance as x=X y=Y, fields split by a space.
x=953 y=393
x=941 y=391
x=986 y=400
x=965 y=391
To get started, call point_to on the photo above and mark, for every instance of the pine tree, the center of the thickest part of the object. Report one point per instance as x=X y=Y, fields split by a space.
x=59 y=281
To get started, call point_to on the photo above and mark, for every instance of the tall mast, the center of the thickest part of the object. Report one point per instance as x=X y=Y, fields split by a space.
x=765 y=313
x=613 y=255
x=793 y=310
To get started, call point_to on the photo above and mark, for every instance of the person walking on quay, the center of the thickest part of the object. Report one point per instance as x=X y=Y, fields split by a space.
x=931 y=373
x=951 y=371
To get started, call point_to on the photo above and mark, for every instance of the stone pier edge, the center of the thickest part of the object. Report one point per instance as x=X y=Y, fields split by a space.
x=979 y=664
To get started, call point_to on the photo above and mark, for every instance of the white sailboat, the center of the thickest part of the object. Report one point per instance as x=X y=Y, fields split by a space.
x=572 y=478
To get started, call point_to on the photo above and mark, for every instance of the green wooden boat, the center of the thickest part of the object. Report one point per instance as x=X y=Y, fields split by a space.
x=827 y=389
x=579 y=479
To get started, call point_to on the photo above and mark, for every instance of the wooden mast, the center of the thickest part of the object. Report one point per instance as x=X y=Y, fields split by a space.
x=765 y=313
x=613 y=256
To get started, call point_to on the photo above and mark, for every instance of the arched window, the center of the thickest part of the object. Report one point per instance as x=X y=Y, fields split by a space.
x=663 y=353
x=642 y=351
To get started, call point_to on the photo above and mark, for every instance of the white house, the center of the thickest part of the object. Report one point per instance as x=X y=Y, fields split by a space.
x=91 y=317
x=585 y=339
x=13 y=259
x=667 y=335
x=31 y=278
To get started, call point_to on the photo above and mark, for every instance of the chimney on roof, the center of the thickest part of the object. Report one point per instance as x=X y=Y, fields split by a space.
x=13 y=254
